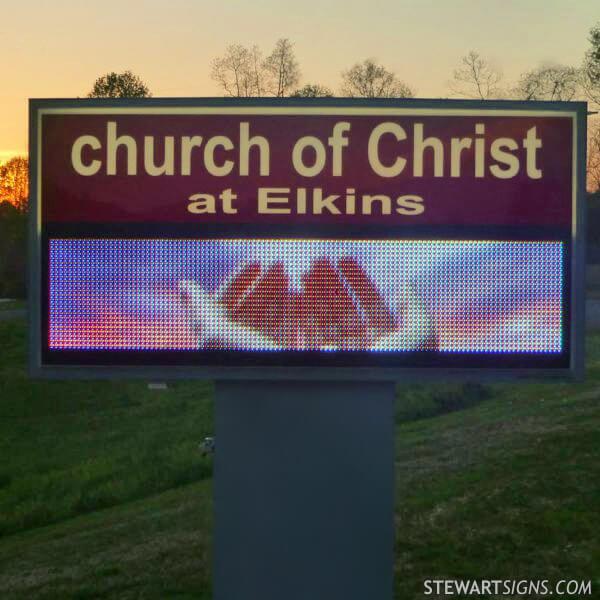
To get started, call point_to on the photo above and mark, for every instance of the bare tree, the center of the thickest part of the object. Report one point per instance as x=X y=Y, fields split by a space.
x=371 y=80
x=119 y=85
x=591 y=67
x=476 y=78
x=242 y=72
x=549 y=82
x=283 y=67
x=239 y=71
x=593 y=156
x=259 y=75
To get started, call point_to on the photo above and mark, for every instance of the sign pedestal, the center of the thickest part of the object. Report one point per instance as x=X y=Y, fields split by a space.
x=303 y=490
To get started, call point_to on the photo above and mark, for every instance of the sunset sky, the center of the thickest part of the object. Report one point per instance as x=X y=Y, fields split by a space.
x=58 y=48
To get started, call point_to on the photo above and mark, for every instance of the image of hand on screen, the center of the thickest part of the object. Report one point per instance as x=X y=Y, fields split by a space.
x=391 y=296
x=336 y=307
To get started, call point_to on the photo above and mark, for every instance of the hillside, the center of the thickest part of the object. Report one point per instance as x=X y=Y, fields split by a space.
x=103 y=491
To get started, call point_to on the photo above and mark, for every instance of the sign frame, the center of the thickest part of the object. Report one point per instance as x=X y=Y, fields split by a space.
x=577 y=111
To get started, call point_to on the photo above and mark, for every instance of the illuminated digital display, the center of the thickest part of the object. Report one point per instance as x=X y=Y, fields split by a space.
x=325 y=239
x=306 y=295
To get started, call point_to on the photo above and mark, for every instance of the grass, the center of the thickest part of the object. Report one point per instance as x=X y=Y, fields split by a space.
x=103 y=492
x=13 y=305
x=158 y=547
x=82 y=446
x=509 y=489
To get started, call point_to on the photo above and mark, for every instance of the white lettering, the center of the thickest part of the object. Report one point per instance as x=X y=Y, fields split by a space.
x=409 y=205
x=209 y=156
x=187 y=145
x=532 y=144
x=77 y=162
x=202 y=203
x=337 y=142
x=267 y=197
x=112 y=145
x=384 y=201
x=373 y=150
x=246 y=142
x=505 y=158
x=168 y=166
x=457 y=145
x=420 y=145
x=308 y=141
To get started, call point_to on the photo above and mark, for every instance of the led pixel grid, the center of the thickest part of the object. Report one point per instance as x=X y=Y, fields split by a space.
x=320 y=295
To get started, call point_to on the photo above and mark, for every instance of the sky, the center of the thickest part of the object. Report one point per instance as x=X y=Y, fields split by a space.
x=57 y=48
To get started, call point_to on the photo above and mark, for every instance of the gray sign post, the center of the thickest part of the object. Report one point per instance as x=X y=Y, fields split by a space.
x=303 y=491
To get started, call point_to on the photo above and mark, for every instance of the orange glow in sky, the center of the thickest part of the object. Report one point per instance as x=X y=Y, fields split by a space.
x=58 y=49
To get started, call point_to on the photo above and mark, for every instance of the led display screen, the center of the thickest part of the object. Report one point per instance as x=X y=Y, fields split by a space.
x=355 y=239
x=315 y=295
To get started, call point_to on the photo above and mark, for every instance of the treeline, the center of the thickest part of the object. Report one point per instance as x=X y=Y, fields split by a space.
x=245 y=72
x=13 y=251
x=14 y=192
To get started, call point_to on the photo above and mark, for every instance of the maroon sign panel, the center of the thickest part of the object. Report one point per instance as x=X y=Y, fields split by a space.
x=386 y=168
x=230 y=239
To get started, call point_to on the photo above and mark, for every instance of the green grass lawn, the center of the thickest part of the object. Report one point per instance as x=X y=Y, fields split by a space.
x=104 y=493
x=13 y=305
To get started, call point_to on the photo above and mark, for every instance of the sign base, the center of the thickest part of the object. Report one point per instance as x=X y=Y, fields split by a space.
x=303 y=490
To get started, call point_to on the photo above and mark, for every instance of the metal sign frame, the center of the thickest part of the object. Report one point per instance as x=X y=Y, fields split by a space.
x=575 y=270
